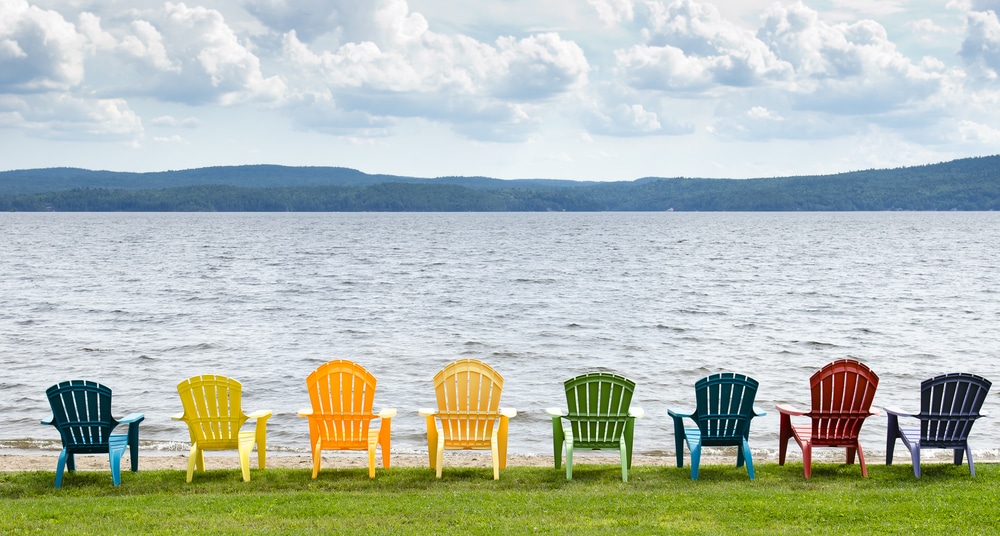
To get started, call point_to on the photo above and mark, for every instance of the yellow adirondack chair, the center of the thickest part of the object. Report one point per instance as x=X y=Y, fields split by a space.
x=342 y=394
x=214 y=417
x=468 y=416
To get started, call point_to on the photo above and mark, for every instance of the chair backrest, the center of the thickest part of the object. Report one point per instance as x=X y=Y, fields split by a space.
x=598 y=404
x=212 y=409
x=468 y=397
x=842 y=394
x=725 y=405
x=342 y=394
x=949 y=405
x=81 y=411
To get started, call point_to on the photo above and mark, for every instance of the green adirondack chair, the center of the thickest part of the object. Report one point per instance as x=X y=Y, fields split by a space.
x=597 y=417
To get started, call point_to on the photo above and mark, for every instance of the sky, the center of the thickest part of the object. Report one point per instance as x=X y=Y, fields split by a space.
x=568 y=89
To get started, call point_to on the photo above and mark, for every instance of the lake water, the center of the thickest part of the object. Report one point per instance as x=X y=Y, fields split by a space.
x=140 y=302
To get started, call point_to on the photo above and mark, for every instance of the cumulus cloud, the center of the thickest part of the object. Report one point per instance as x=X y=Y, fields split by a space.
x=613 y=12
x=64 y=117
x=486 y=90
x=981 y=48
x=39 y=49
x=690 y=47
x=192 y=55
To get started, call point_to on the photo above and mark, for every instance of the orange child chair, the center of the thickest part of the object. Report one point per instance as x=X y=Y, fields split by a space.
x=342 y=394
x=842 y=393
x=468 y=416
x=214 y=415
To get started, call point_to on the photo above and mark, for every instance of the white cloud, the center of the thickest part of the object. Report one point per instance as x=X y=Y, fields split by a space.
x=613 y=12
x=485 y=90
x=691 y=47
x=981 y=48
x=64 y=117
x=39 y=49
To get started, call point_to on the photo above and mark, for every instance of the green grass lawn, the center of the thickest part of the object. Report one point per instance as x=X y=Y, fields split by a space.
x=527 y=500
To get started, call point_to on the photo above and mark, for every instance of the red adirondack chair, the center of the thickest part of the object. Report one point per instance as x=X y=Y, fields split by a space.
x=842 y=394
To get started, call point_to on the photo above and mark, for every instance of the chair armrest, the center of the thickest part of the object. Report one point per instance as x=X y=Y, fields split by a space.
x=387 y=413
x=679 y=414
x=132 y=418
x=789 y=410
x=48 y=420
x=510 y=413
x=557 y=412
x=260 y=414
x=983 y=414
x=305 y=412
x=897 y=412
x=177 y=416
x=757 y=412
x=427 y=412
x=874 y=412
x=637 y=413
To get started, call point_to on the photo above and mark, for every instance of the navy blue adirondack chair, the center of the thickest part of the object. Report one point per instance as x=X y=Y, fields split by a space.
x=81 y=411
x=723 y=414
x=949 y=406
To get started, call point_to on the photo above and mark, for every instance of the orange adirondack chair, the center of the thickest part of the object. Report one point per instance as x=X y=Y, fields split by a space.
x=342 y=394
x=468 y=416
x=842 y=393
x=214 y=414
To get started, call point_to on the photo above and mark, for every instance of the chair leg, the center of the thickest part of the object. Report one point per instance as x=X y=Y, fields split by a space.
x=695 y=460
x=569 y=458
x=915 y=457
x=432 y=442
x=246 y=441
x=892 y=433
x=968 y=454
x=745 y=451
x=958 y=456
x=115 y=459
x=194 y=458
x=850 y=455
x=623 y=452
x=784 y=434
x=861 y=459
x=60 y=467
x=439 y=463
x=371 y=459
x=807 y=459
x=384 y=437
x=317 y=458
x=557 y=441
x=679 y=440
x=133 y=443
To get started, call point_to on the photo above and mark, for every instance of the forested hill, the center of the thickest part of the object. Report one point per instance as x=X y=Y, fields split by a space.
x=967 y=184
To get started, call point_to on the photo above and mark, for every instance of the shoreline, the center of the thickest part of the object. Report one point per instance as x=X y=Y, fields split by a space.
x=26 y=460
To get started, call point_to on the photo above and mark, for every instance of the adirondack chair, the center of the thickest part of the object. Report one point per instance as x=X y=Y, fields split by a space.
x=722 y=415
x=342 y=394
x=81 y=411
x=214 y=416
x=842 y=393
x=468 y=416
x=597 y=417
x=949 y=406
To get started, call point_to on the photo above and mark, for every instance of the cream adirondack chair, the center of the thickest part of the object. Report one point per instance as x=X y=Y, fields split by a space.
x=468 y=416
x=214 y=415
x=342 y=394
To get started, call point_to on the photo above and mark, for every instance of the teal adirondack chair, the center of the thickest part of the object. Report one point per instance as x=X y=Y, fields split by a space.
x=81 y=411
x=597 y=417
x=723 y=414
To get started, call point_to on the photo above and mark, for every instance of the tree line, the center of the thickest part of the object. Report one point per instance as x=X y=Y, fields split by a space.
x=968 y=184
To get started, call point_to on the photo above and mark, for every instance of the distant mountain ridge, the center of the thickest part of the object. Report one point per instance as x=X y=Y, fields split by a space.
x=30 y=181
x=965 y=184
